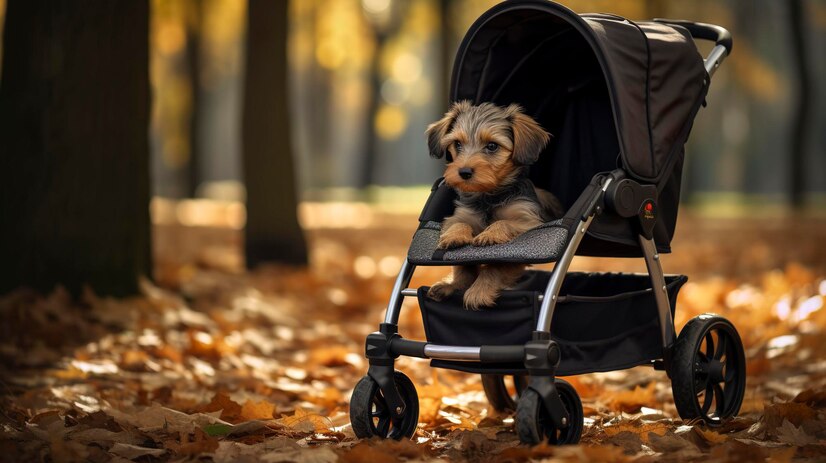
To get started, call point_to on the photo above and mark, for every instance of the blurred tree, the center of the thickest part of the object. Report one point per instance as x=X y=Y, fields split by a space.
x=383 y=23
x=194 y=25
x=74 y=170
x=272 y=233
x=447 y=50
x=800 y=123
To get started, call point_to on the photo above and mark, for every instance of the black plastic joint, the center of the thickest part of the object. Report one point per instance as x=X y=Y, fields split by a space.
x=554 y=354
x=376 y=347
x=542 y=357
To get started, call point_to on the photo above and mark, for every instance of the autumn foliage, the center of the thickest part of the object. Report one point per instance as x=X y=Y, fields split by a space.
x=215 y=364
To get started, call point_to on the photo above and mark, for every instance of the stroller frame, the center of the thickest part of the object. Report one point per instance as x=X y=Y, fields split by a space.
x=541 y=355
x=383 y=388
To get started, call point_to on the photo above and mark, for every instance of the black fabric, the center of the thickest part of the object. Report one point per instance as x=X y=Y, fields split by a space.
x=439 y=204
x=612 y=92
x=533 y=52
x=602 y=322
x=446 y=322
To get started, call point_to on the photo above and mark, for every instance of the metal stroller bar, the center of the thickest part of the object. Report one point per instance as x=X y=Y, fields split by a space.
x=655 y=271
x=396 y=296
x=714 y=59
x=546 y=311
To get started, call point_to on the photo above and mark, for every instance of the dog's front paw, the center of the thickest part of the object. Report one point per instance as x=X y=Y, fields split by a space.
x=440 y=291
x=492 y=235
x=457 y=235
x=477 y=297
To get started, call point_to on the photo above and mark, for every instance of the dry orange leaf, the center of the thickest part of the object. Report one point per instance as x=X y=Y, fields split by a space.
x=711 y=436
x=262 y=410
x=230 y=410
x=795 y=412
x=363 y=452
x=330 y=356
x=633 y=401
x=329 y=398
x=641 y=429
x=305 y=421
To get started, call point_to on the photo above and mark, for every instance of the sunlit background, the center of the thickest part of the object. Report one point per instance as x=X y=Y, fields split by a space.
x=367 y=76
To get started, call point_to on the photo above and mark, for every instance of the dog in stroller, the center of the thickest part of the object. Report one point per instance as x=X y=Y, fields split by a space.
x=488 y=149
x=620 y=98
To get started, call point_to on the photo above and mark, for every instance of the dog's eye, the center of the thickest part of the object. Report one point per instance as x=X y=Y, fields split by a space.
x=492 y=147
x=458 y=145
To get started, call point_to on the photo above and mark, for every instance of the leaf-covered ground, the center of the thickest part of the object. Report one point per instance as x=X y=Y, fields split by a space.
x=214 y=364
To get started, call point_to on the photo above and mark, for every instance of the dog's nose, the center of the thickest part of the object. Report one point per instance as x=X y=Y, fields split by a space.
x=466 y=172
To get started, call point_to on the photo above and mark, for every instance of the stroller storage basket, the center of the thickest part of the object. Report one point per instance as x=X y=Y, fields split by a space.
x=602 y=322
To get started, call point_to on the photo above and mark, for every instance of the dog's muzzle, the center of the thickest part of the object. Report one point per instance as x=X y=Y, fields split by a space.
x=465 y=172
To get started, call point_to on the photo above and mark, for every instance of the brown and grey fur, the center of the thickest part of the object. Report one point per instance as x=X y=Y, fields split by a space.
x=497 y=202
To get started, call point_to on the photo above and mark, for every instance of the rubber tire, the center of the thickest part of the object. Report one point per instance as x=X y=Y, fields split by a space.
x=533 y=422
x=687 y=359
x=497 y=392
x=366 y=394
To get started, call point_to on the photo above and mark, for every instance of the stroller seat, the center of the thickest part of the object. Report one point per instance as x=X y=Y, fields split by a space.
x=542 y=244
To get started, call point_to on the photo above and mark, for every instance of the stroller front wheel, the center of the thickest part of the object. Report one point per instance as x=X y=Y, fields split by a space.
x=708 y=370
x=370 y=415
x=534 y=424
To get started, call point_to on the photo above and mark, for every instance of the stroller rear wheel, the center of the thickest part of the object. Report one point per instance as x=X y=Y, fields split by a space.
x=498 y=393
x=708 y=370
x=534 y=424
x=370 y=415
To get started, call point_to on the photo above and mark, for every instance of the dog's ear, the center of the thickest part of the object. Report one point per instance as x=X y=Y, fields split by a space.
x=436 y=131
x=529 y=138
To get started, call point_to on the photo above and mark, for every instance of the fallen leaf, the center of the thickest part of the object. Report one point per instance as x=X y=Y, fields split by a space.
x=790 y=434
x=162 y=418
x=711 y=436
x=131 y=452
x=364 y=452
x=230 y=410
x=305 y=421
x=632 y=401
x=262 y=410
x=199 y=442
x=643 y=430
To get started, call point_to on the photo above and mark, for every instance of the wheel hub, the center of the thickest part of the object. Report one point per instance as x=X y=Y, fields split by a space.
x=715 y=371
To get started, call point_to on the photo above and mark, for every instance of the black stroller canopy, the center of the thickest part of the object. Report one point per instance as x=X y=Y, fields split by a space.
x=538 y=53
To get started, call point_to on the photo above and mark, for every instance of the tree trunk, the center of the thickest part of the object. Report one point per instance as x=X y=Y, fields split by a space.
x=74 y=170
x=800 y=122
x=272 y=232
x=371 y=142
x=194 y=24
x=446 y=54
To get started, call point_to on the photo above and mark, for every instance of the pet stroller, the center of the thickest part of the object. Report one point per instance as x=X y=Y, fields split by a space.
x=620 y=98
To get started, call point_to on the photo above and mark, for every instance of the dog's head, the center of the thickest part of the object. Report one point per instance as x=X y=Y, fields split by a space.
x=485 y=145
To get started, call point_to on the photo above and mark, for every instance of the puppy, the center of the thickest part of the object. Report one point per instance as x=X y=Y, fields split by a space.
x=488 y=149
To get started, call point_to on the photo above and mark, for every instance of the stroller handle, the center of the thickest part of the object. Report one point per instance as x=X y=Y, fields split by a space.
x=717 y=34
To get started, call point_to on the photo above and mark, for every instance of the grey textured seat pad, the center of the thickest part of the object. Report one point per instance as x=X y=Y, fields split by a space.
x=544 y=243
